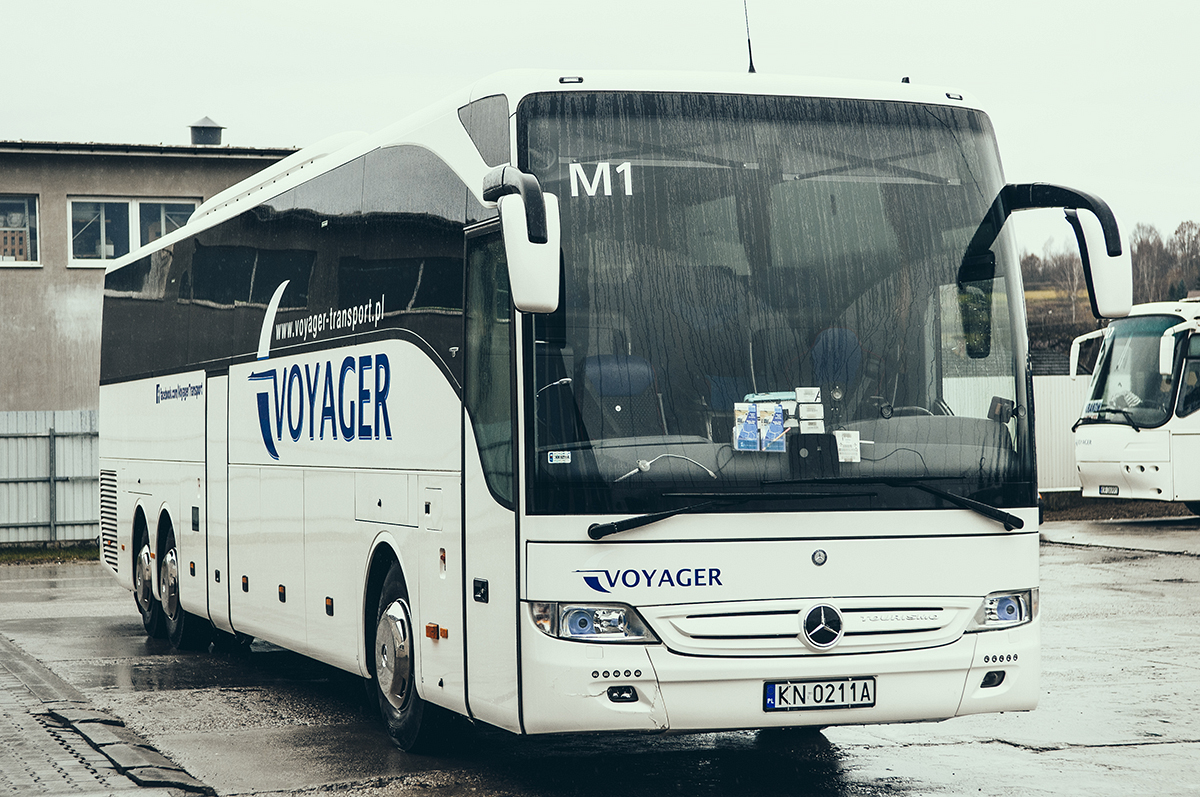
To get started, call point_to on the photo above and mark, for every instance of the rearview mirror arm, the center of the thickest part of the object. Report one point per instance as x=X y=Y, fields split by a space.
x=505 y=180
x=1024 y=196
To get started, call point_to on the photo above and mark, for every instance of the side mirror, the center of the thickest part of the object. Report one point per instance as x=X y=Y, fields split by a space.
x=532 y=267
x=1109 y=276
x=530 y=223
x=1106 y=267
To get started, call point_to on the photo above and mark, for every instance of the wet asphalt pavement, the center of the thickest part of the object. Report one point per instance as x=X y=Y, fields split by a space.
x=1118 y=715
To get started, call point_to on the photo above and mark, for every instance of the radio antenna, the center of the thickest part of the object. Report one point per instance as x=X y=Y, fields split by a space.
x=749 y=49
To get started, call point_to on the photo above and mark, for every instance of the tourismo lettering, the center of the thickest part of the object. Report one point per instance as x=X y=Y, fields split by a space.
x=345 y=391
x=607 y=580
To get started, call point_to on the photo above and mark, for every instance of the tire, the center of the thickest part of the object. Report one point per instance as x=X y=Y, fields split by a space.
x=143 y=592
x=412 y=724
x=185 y=630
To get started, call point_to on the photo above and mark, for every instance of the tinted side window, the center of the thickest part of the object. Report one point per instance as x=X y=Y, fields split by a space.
x=221 y=274
x=386 y=228
x=486 y=121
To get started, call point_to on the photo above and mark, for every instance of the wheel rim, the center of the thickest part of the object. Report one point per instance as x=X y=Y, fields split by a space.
x=141 y=580
x=393 y=658
x=170 y=583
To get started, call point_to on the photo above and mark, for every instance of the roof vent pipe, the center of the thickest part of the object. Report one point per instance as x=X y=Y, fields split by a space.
x=206 y=131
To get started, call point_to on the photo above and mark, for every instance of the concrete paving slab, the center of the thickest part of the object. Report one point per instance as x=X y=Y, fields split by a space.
x=74 y=715
x=129 y=757
x=99 y=735
x=170 y=778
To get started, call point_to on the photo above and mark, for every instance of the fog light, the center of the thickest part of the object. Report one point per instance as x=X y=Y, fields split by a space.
x=627 y=694
x=991 y=679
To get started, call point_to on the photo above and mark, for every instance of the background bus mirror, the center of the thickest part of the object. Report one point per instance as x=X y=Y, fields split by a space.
x=1075 y=347
x=1166 y=345
x=533 y=268
x=1109 y=277
x=1166 y=354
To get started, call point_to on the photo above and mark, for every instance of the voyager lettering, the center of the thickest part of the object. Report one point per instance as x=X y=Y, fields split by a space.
x=357 y=408
x=607 y=580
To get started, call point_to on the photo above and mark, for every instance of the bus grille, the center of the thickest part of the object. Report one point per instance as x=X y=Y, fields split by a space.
x=772 y=628
x=108 y=517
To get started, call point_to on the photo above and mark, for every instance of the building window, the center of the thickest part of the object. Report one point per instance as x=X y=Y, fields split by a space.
x=156 y=219
x=105 y=229
x=18 y=230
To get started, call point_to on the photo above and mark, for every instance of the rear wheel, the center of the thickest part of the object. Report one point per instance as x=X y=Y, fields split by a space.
x=412 y=723
x=143 y=592
x=185 y=630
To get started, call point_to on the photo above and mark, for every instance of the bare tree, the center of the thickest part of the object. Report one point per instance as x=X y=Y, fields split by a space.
x=1185 y=246
x=1065 y=271
x=1031 y=269
x=1153 y=264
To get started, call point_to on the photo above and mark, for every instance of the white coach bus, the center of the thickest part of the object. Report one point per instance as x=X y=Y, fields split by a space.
x=1138 y=436
x=632 y=402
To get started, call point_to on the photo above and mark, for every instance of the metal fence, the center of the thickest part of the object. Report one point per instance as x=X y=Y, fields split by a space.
x=1059 y=402
x=49 y=477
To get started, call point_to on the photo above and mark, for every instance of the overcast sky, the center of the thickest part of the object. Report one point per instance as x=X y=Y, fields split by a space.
x=1103 y=96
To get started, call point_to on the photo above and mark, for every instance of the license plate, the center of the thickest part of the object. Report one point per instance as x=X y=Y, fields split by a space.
x=1109 y=489
x=818 y=695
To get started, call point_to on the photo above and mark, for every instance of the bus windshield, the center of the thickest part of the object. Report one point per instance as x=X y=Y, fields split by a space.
x=1127 y=387
x=769 y=296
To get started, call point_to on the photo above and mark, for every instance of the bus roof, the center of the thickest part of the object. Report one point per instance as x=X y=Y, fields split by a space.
x=438 y=124
x=1185 y=308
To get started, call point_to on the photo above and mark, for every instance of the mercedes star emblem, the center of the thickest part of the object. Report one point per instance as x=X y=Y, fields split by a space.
x=821 y=626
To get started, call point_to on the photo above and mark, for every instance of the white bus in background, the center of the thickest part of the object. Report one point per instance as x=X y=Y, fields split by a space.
x=1138 y=436
x=632 y=402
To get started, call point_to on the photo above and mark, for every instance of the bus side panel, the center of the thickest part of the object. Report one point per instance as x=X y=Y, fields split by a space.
x=492 y=623
x=440 y=610
x=146 y=426
x=266 y=554
x=1185 y=448
x=160 y=418
x=216 y=520
x=335 y=550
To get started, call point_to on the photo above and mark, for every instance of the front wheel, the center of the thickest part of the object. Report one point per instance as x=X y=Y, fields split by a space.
x=412 y=723
x=185 y=630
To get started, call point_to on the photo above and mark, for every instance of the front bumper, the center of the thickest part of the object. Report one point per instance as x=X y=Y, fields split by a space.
x=565 y=684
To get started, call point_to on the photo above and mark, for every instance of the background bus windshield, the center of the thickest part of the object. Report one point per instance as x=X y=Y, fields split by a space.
x=768 y=295
x=1127 y=387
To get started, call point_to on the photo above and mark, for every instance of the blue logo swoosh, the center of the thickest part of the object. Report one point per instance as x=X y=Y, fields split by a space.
x=594 y=583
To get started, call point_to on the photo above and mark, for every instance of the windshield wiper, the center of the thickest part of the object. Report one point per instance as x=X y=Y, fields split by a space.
x=1124 y=413
x=1009 y=520
x=599 y=531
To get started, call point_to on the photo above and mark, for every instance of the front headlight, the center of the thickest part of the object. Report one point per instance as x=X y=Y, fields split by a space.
x=1005 y=610
x=600 y=622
